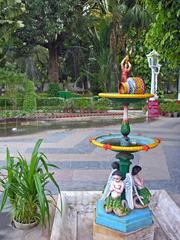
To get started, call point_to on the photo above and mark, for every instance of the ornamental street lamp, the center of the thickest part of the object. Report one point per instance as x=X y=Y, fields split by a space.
x=153 y=62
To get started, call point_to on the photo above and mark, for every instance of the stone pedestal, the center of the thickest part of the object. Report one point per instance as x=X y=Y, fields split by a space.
x=135 y=220
x=102 y=233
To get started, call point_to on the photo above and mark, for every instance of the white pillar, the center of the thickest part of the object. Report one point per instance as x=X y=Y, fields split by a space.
x=179 y=87
x=152 y=83
x=155 y=85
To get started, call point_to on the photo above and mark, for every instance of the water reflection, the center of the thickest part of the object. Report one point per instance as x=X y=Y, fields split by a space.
x=29 y=127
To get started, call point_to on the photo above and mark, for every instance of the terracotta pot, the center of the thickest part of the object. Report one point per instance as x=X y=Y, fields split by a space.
x=23 y=226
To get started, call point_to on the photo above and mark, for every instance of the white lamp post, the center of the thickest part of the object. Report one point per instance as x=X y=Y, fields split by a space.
x=153 y=62
x=179 y=87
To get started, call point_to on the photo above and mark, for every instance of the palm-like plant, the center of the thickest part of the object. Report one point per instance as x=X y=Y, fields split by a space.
x=25 y=186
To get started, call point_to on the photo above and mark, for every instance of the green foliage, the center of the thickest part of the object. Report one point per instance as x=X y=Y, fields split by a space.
x=6 y=103
x=12 y=114
x=169 y=107
x=163 y=34
x=100 y=61
x=49 y=24
x=68 y=94
x=82 y=103
x=102 y=104
x=25 y=186
x=29 y=103
x=9 y=13
x=53 y=90
x=11 y=80
x=49 y=101
x=13 y=83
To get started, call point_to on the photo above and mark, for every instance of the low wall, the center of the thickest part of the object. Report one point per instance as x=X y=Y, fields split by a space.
x=76 y=220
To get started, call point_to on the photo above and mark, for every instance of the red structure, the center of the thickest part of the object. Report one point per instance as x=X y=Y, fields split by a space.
x=153 y=109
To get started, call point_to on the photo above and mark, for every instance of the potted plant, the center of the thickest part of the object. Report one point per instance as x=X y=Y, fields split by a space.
x=25 y=187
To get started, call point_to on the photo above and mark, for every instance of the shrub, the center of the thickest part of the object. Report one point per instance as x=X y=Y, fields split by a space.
x=105 y=101
x=29 y=103
x=82 y=103
x=6 y=103
x=169 y=107
x=69 y=105
x=53 y=90
x=49 y=101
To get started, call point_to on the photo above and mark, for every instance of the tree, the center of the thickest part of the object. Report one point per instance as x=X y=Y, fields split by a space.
x=9 y=12
x=47 y=24
x=112 y=37
x=163 y=34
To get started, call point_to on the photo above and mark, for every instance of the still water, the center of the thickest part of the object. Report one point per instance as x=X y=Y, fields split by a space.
x=29 y=127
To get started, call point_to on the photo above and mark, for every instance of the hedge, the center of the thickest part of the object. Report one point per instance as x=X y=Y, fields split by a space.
x=49 y=101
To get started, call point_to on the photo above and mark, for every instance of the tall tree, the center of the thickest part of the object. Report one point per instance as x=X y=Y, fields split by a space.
x=47 y=23
x=163 y=34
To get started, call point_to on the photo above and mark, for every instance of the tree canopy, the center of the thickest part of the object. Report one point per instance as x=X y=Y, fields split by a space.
x=83 y=41
x=163 y=34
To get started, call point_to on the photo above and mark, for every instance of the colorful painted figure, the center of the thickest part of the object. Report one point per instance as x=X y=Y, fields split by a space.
x=106 y=191
x=125 y=67
x=114 y=202
x=141 y=195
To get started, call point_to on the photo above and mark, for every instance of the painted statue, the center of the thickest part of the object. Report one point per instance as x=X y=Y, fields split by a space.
x=143 y=195
x=113 y=191
x=137 y=195
x=106 y=192
x=125 y=68
x=129 y=85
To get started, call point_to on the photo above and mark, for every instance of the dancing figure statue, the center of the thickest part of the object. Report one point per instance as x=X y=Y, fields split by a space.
x=129 y=85
x=125 y=68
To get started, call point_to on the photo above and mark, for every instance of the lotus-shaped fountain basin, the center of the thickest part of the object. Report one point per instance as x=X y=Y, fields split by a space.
x=125 y=98
x=135 y=143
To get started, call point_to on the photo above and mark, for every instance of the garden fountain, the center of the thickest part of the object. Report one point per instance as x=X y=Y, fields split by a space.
x=132 y=220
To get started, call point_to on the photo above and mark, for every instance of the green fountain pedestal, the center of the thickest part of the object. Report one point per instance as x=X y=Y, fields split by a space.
x=124 y=162
x=125 y=145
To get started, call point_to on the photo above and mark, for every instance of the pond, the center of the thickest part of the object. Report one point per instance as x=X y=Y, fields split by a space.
x=25 y=127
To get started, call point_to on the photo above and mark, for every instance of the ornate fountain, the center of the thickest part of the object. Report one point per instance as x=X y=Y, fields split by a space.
x=123 y=206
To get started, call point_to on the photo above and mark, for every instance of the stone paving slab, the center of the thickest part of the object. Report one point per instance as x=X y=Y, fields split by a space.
x=85 y=167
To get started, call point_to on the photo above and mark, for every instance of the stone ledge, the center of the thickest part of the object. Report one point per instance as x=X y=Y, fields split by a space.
x=77 y=216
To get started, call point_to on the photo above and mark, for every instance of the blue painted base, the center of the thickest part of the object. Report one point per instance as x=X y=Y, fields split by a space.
x=135 y=220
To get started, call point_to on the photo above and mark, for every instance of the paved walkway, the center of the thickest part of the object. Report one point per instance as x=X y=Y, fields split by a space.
x=85 y=167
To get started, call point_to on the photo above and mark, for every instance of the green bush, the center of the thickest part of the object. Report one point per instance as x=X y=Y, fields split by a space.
x=68 y=95
x=69 y=105
x=50 y=109
x=53 y=90
x=169 y=107
x=49 y=101
x=29 y=103
x=6 y=103
x=12 y=114
x=82 y=103
x=95 y=98
x=105 y=101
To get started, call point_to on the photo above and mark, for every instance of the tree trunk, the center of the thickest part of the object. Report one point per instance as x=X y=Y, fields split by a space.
x=53 y=68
